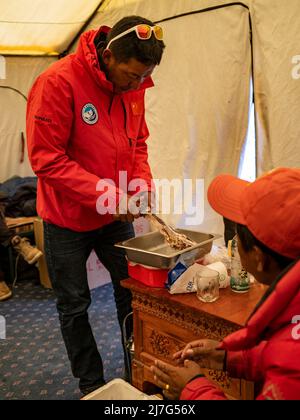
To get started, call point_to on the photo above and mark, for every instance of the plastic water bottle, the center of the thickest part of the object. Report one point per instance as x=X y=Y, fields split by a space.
x=239 y=278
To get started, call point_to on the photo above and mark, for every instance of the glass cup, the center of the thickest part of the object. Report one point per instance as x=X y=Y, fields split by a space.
x=207 y=282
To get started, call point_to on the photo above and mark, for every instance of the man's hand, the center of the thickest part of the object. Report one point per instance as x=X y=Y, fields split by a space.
x=126 y=211
x=147 y=202
x=131 y=208
x=172 y=379
x=204 y=352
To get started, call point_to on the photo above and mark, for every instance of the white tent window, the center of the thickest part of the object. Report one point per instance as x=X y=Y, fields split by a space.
x=247 y=167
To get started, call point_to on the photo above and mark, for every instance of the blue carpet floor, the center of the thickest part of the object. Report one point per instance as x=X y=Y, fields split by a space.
x=33 y=360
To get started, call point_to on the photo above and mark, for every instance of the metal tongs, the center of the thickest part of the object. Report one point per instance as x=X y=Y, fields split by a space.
x=157 y=220
x=175 y=239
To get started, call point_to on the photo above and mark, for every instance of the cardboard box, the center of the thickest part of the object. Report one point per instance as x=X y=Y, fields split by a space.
x=118 y=389
x=97 y=274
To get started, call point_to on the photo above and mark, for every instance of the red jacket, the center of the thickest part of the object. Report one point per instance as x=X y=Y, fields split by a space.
x=79 y=132
x=267 y=350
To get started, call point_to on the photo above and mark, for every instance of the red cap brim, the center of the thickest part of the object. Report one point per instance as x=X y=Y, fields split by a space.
x=225 y=194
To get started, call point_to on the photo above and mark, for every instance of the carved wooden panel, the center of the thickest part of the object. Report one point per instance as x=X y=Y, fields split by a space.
x=200 y=323
x=162 y=328
x=160 y=344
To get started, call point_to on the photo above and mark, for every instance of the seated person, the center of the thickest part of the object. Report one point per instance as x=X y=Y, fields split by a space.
x=22 y=245
x=267 y=350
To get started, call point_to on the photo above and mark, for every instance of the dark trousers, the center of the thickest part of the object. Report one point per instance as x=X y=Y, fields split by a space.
x=67 y=253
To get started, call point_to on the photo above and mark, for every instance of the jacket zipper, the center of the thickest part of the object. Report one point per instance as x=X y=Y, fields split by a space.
x=125 y=119
x=110 y=105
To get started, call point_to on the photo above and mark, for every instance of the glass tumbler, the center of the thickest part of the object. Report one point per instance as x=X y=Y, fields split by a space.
x=207 y=282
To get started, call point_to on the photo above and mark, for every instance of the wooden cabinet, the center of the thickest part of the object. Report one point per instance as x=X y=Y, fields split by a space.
x=165 y=323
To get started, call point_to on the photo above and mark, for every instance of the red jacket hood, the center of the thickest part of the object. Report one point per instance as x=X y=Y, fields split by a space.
x=275 y=312
x=87 y=54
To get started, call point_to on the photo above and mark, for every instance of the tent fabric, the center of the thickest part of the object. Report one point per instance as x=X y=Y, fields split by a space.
x=198 y=111
x=36 y=27
x=156 y=10
x=20 y=72
x=276 y=39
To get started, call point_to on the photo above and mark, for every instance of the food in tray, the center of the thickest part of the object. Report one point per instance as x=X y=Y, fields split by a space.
x=175 y=240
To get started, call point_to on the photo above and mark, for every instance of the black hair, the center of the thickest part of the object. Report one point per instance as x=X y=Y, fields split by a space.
x=249 y=241
x=130 y=46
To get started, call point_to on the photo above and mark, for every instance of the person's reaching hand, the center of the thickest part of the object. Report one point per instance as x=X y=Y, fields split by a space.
x=205 y=352
x=172 y=379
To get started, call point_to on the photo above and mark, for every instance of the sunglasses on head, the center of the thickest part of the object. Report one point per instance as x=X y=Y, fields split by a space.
x=142 y=31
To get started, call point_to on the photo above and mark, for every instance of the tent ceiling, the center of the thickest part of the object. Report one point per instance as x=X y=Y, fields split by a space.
x=39 y=27
x=48 y=27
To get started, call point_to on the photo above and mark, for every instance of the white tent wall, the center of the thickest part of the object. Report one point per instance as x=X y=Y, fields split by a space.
x=198 y=116
x=276 y=39
x=20 y=74
x=198 y=111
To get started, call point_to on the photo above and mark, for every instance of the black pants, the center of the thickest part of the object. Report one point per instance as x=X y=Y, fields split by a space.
x=67 y=253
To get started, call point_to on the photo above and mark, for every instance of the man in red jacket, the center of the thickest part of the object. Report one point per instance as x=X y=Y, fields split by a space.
x=267 y=350
x=87 y=136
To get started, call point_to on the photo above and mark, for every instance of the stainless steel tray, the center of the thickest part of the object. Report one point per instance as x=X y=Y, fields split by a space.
x=151 y=249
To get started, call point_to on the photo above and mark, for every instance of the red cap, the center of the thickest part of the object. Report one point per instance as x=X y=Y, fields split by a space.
x=269 y=207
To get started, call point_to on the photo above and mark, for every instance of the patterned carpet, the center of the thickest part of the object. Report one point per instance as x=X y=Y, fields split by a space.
x=33 y=360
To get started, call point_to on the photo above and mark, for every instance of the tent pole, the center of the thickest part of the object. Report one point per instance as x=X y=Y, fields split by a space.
x=208 y=9
x=15 y=90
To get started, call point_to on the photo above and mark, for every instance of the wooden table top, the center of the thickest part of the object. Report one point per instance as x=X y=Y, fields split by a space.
x=231 y=306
